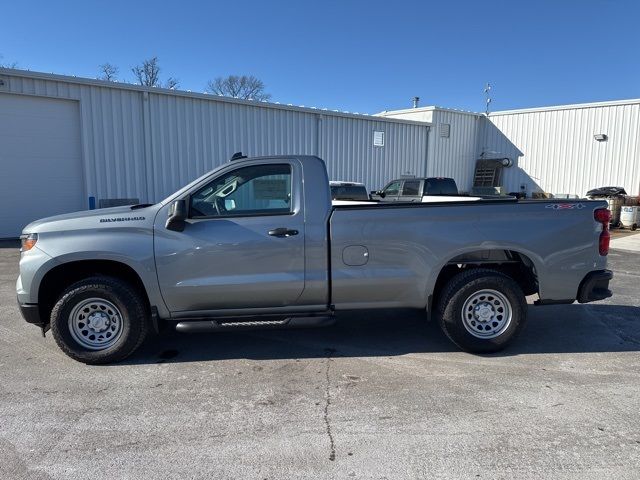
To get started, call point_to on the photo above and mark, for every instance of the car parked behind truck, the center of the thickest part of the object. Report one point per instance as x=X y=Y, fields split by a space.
x=258 y=243
x=428 y=189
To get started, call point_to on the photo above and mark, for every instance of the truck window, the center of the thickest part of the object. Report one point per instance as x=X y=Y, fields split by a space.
x=411 y=188
x=440 y=186
x=349 y=192
x=392 y=189
x=254 y=190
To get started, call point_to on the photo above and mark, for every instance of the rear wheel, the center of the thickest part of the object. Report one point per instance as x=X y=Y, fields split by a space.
x=482 y=310
x=99 y=320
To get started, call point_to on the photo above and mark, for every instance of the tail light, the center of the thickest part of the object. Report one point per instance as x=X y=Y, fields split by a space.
x=603 y=216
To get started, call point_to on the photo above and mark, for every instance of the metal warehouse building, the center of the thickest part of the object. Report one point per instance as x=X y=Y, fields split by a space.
x=67 y=143
x=567 y=149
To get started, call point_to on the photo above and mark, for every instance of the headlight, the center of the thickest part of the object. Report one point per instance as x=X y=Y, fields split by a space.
x=28 y=241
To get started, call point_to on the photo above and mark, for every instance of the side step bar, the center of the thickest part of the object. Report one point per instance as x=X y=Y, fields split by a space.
x=218 y=325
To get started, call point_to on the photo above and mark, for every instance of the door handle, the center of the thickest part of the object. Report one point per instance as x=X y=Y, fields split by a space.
x=282 y=232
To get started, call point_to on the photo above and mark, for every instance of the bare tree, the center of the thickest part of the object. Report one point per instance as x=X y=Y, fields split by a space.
x=7 y=65
x=108 y=72
x=148 y=74
x=246 y=87
x=171 y=83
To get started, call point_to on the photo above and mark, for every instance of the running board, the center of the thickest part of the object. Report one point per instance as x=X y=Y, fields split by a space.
x=219 y=325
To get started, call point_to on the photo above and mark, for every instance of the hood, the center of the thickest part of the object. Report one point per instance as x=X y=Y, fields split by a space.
x=114 y=216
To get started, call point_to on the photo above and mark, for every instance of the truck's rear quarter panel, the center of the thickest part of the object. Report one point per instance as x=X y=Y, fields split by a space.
x=407 y=246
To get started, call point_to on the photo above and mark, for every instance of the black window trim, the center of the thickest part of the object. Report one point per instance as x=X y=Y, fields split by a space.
x=291 y=211
x=402 y=194
x=399 y=182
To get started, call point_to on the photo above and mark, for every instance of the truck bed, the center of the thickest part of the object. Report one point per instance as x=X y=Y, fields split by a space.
x=405 y=245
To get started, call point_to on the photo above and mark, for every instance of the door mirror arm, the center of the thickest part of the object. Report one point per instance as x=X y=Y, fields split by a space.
x=177 y=216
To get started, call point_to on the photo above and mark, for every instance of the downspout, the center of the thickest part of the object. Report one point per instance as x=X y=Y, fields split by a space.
x=148 y=164
x=426 y=151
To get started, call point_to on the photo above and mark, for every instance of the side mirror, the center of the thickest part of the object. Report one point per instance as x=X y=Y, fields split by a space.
x=381 y=194
x=177 y=216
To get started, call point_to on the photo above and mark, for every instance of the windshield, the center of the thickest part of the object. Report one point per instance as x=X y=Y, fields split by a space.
x=192 y=184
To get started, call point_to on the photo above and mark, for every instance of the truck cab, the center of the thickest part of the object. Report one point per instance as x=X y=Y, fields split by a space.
x=415 y=189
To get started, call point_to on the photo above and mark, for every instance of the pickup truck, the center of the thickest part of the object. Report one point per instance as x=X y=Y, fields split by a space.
x=429 y=189
x=257 y=243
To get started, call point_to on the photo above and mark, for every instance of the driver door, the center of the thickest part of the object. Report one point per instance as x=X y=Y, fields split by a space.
x=391 y=191
x=243 y=243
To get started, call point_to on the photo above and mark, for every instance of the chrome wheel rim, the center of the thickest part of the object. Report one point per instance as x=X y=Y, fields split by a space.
x=95 y=323
x=486 y=314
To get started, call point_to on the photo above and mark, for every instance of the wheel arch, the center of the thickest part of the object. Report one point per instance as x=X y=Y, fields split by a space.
x=518 y=265
x=61 y=276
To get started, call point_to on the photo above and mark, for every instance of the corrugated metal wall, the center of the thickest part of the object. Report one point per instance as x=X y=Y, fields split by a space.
x=454 y=156
x=141 y=143
x=555 y=150
x=346 y=145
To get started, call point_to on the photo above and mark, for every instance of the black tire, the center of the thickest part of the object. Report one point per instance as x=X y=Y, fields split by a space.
x=634 y=226
x=133 y=318
x=469 y=285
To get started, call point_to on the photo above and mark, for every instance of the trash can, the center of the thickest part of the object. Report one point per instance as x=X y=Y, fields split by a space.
x=630 y=217
x=615 y=197
x=615 y=205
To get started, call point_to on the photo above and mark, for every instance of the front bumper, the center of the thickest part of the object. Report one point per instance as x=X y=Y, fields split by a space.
x=31 y=313
x=595 y=286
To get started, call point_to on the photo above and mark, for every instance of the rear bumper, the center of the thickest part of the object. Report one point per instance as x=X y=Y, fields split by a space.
x=31 y=313
x=595 y=286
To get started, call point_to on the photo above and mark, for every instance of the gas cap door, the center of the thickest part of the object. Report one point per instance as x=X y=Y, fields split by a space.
x=355 y=255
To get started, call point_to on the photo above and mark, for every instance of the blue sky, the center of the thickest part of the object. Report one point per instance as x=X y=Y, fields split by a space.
x=358 y=56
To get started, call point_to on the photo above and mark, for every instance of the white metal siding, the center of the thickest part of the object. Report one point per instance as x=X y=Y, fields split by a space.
x=192 y=136
x=555 y=150
x=40 y=160
x=146 y=143
x=455 y=156
x=348 y=149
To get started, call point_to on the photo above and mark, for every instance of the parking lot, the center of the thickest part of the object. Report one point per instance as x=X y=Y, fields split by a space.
x=379 y=395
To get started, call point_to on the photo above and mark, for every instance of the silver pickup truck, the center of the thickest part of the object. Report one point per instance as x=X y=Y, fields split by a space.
x=257 y=243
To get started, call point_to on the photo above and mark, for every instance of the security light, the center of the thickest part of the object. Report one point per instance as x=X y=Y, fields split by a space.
x=601 y=137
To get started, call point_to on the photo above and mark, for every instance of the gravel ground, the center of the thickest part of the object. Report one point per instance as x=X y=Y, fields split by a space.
x=379 y=395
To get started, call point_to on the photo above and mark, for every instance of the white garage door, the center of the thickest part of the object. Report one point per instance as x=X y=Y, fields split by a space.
x=40 y=160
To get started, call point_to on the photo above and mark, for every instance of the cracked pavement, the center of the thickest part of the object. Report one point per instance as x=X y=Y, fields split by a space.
x=378 y=395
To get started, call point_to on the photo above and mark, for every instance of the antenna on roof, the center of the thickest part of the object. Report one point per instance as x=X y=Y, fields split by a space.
x=487 y=91
x=237 y=156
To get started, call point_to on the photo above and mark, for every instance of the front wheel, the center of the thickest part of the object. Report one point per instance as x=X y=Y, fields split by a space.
x=99 y=320
x=482 y=310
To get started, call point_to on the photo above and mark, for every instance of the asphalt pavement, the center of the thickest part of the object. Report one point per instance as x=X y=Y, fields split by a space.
x=378 y=395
